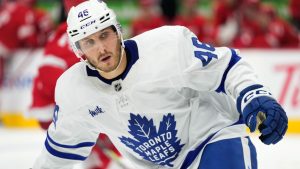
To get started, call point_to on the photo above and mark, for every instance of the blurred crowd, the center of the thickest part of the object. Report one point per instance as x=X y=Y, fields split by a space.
x=233 y=23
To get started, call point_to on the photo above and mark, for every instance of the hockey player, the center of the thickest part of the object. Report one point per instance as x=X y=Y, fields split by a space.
x=58 y=57
x=21 y=26
x=165 y=99
x=190 y=18
x=148 y=17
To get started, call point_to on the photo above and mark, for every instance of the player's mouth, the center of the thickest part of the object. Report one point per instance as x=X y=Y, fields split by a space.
x=105 y=58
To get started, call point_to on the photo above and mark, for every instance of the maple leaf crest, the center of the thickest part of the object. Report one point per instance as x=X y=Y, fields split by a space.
x=158 y=146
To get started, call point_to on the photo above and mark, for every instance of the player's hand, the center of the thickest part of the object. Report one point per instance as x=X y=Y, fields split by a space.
x=273 y=126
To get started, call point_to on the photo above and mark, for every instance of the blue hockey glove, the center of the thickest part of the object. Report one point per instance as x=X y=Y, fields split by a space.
x=257 y=104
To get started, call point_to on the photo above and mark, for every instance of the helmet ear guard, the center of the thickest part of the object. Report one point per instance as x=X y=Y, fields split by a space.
x=87 y=18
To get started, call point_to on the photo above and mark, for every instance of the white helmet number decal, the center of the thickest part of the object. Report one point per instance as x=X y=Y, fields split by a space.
x=83 y=14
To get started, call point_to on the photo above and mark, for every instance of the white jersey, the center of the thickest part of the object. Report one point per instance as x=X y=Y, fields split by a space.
x=176 y=96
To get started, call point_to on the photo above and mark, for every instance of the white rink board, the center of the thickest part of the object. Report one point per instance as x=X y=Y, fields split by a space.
x=280 y=71
x=21 y=68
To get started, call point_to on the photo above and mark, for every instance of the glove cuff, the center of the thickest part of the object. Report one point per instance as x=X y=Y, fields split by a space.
x=250 y=93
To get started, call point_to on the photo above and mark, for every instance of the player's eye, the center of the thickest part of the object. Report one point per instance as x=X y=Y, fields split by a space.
x=87 y=43
x=104 y=35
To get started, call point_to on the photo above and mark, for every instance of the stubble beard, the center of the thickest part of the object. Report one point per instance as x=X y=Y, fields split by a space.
x=108 y=68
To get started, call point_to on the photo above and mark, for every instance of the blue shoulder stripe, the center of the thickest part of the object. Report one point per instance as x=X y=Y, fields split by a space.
x=63 y=155
x=83 y=144
x=234 y=59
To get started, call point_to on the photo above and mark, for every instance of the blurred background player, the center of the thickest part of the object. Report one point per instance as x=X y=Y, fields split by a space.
x=149 y=17
x=58 y=57
x=21 y=26
x=169 y=9
x=262 y=27
x=190 y=18
x=294 y=9
x=285 y=33
x=225 y=20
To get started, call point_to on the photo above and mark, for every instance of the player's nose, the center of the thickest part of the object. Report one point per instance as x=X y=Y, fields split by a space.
x=100 y=47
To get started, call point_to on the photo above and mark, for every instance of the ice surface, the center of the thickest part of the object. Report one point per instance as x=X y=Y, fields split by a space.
x=20 y=147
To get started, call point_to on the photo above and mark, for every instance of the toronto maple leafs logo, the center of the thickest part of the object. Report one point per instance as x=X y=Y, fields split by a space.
x=158 y=146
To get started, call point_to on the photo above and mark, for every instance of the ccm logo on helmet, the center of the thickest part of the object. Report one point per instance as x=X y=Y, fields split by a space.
x=88 y=24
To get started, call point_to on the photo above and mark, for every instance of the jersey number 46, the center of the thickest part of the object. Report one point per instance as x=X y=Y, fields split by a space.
x=205 y=52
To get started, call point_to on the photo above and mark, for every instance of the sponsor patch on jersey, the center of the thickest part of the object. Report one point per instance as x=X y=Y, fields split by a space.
x=160 y=146
x=96 y=111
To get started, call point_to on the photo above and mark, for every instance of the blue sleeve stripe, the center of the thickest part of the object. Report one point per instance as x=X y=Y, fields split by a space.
x=83 y=144
x=234 y=59
x=63 y=155
x=243 y=92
